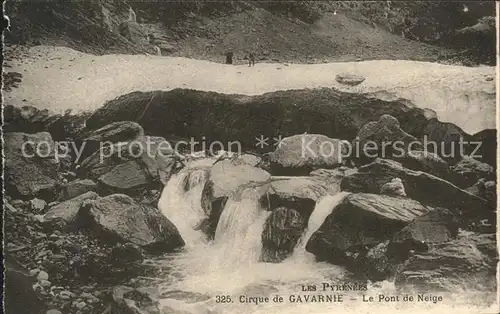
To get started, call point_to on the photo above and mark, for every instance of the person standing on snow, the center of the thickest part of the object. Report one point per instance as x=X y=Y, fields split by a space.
x=251 y=59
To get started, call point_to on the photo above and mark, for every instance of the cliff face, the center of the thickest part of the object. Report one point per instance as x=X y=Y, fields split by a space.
x=205 y=30
x=98 y=26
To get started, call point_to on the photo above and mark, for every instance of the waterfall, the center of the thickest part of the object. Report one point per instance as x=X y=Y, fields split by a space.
x=322 y=209
x=180 y=202
x=238 y=233
x=230 y=264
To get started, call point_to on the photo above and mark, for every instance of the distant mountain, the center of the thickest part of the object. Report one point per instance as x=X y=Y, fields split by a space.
x=298 y=31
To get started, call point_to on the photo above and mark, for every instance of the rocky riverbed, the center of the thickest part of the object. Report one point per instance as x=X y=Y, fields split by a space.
x=83 y=222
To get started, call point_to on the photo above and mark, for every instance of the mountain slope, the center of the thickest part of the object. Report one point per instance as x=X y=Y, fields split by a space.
x=283 y=31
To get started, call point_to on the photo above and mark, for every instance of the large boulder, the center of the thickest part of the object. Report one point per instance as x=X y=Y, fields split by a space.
x=384 y=259
x=116 y=132
x=77 y=187
x=119 y=219
x=127 y=167
x=383 y=138
x=420 y=186
x=425 y=161
x=443 y=139
x=332 y=177
x=31 y=172
x=487 y=151
x=362 y=220
x=468 y=262
x=349 y=79
x=468 y=171
x=127 y=300
x=437 y=226
x=282 y=230
x=64 y=214
x=374 y=264
x=252 y=160
x=28 y=119
x=394 y=187
x=485 y=189
x=125 y=177
x=19 y=294
x=300 y=154
x=300 y=193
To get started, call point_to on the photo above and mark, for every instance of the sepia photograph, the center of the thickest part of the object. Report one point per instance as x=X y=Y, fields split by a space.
x=255 y=157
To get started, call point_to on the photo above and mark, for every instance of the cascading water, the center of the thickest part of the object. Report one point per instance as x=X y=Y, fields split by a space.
x=238 y=233
x=229 y=266
x=180 y=202
x=322 y=209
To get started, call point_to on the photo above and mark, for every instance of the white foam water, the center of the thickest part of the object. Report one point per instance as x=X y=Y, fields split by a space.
x=180 y=202
x=322 y=209
x=238 y=233
x=196 y=279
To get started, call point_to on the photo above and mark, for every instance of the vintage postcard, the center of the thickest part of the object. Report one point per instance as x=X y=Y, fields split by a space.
x=259 y=157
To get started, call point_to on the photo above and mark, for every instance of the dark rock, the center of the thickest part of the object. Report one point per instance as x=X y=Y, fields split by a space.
x=479 y=39
x=123 y=255
x=420 y=186
x=122 y=131
x=383 y=138
x=487 y=150
x=332 y=177
x=425 y=161
x=349 y=79
x=443 y=139
x=126 y=300
x=28 y=119
x=438 y=226
x=19 y=294
x=485 y=189
x=119 y=219
x=375 y=264
x=468 y=171
x=252 y=160
x=9 y=208
x=150 y=197
x=29 y=173
x=125 y=177
x=220 y=116
x=394 y=187
x=18 y=203
x=468 y=262
x=362 y=220
x=300 y=154
x=106 y=159
x=282 y=230
x=129 y=167
x=64 y=214
x=300 y=193
x=77 y=187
